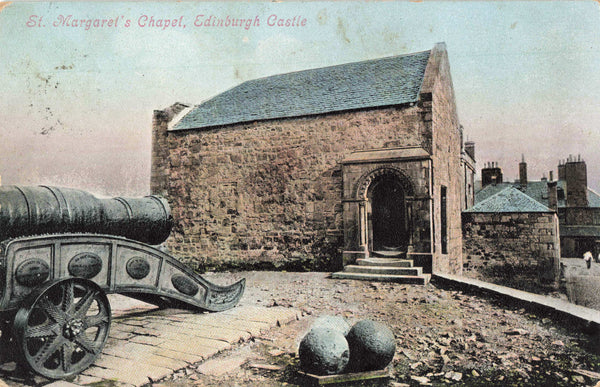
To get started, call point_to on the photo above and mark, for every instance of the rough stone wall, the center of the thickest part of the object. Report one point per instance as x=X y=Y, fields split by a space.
x=583 y=216
x=159 y=174
x=446 y=156
x=511 y=243
x=270 y=192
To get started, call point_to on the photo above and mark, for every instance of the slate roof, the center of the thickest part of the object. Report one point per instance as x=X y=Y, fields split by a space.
x=509 y=199
x=373 y=83
x=537 y=190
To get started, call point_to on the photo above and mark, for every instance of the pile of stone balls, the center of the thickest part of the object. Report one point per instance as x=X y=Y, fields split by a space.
x=331 y=347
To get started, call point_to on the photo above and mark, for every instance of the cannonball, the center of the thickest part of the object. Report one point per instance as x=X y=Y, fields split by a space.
x=323 y=351
x=337 y=323
x=372 y=346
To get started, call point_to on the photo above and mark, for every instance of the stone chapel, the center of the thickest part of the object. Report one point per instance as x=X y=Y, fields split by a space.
x=315 y=169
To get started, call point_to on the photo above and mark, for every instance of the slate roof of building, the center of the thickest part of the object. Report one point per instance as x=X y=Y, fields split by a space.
x=537 y=190
x=509 y=199
x=381 y=82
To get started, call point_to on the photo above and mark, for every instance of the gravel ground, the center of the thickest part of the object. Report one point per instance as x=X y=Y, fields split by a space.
x=443 y=336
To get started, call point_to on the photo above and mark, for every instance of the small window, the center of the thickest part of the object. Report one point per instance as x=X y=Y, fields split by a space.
x=444 y=220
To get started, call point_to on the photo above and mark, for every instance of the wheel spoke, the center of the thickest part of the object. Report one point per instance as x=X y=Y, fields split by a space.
x=48 y=349
x=84 y=342
x=68 y=295
x=53 y=311
x=94 y=321
x=66 y=356
x=45 y=330
x=51 y=330
x=84 y=303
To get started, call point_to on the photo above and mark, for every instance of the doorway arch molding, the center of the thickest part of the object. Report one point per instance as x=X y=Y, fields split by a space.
x=364 y=182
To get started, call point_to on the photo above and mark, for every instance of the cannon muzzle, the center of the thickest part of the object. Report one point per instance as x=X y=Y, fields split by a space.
x=47 y=210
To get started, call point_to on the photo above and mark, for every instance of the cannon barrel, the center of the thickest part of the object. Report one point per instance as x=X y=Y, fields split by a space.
x=46 y=210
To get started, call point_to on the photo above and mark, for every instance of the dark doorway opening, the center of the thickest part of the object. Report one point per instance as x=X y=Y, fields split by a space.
x=388 y=215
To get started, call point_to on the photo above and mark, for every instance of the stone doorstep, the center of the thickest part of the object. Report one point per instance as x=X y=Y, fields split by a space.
x=385 y=262
x=401 y=279
x=414 y=271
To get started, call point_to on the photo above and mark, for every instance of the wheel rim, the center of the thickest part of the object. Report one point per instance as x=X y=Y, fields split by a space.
x=64 y=327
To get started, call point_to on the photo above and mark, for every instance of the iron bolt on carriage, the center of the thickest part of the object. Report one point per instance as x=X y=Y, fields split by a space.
x=63 y=251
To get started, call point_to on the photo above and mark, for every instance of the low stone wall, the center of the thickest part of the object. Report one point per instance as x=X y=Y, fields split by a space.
x=512 y=249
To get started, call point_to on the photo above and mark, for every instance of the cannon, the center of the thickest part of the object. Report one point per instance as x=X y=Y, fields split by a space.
x=63 y=250
x=49 y=210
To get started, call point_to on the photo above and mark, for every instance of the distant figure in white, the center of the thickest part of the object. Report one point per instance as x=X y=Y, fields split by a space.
x=587 y=257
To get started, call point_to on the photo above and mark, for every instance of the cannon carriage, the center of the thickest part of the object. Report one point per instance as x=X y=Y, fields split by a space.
x=63 y=251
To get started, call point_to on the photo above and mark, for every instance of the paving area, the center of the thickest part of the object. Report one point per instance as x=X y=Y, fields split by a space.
x=444 y=336
x=147 y=344
x=153 y=345
x=582 y=285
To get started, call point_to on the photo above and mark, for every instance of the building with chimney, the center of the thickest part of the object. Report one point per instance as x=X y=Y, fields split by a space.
x=319 y=168
x=561 y=218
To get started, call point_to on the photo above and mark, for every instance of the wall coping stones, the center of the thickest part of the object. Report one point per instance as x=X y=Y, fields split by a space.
x=589 y=317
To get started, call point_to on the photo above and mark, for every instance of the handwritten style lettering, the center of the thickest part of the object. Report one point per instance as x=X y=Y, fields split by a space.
x=213 y=21
x=70 y=21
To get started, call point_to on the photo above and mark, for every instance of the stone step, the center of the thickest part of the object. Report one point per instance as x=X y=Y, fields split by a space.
x=385 y=262
x=389 y=254
x=383 y=270
x=401 y=279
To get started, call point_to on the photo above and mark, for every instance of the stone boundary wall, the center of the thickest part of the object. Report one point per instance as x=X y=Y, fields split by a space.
x=511 y=244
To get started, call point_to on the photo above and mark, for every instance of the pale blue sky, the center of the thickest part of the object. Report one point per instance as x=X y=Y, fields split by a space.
x=77 y=105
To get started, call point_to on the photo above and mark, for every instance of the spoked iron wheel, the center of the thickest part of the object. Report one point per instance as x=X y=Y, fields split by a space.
x=63 y=327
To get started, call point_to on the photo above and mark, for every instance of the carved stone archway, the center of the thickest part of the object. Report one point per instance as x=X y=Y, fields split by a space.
x=371 y=186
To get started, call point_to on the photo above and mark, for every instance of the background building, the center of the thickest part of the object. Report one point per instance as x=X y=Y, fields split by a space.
x=547 y=219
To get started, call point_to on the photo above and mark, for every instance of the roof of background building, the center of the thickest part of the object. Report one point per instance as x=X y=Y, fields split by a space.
x=537 y=190
x=509 y=199
x=381 y=82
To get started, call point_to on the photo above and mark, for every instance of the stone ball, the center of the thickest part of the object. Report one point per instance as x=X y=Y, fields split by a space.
x=323 y=351
x=337 y=323
x=372 y=346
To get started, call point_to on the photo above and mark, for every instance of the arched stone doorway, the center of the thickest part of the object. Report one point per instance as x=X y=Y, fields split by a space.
x=388 y=229
x=384 y=197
